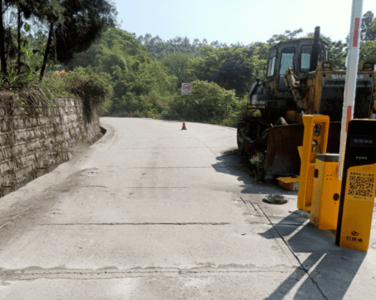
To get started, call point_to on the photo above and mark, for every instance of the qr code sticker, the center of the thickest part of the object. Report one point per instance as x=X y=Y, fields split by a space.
x=361 y=184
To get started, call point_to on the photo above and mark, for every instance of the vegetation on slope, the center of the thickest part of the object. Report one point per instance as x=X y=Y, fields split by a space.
x=128 y=76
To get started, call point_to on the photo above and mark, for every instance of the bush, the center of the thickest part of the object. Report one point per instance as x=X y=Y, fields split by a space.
x=95 y=88
x=208 y=103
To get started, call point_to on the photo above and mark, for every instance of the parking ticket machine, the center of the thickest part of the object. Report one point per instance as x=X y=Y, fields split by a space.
x=358 y=186
x=315 y=141
x=326 y=191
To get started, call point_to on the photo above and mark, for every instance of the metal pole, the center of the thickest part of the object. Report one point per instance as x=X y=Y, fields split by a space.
x=351 y=77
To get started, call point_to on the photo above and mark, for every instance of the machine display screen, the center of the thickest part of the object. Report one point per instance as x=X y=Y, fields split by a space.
x=363 y=141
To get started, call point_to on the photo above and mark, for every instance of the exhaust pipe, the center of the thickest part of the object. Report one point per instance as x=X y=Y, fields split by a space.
x=315 y=50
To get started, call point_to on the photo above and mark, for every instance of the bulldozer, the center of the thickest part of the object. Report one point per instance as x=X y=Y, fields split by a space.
x=299 y=80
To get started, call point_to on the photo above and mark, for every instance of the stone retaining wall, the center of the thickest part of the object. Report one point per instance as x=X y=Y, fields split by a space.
x=32 y=147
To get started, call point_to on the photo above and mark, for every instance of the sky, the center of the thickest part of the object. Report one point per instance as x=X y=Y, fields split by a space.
x=233 y=21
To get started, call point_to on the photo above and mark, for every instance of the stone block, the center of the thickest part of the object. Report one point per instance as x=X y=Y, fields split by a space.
x=6 y=152
x=52 y=158
x=4 y=167
x=41 y=171
x=39 y=133
x=7 y=190
x=17 y=150
x=66 y=135
x=42 y=121
x=50 y=130
x=41 y=160
x=2 y=155
x=34 y=122
x=74 y=118
x=65 y=145
x=24 y=161
x=32 y=135
x=33 y=146
x=24 y=173
x=7 y=179
x=4 y=126
x=21 y=136
x=4 y=139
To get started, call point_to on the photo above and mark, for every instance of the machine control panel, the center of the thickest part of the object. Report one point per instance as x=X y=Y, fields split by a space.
x=358 y=186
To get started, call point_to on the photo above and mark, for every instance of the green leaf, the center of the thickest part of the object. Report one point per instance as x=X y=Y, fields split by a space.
x=27 y=27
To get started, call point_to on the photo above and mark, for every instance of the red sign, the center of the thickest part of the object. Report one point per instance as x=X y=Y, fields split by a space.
x=186 y=89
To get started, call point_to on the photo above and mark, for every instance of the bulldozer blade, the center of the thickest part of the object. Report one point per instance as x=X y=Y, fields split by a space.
x=282 y=156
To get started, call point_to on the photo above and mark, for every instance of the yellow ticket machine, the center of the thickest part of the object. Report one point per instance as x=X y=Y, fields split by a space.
x=326 y=191
x=315 y=140
x=358 y=186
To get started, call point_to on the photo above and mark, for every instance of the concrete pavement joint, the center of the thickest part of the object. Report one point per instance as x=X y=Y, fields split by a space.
x=136 y=187
x=34 y=273
x=249 y=204
x=204 y=167
x=154 y=187
x=162 y=148
x=293 y=253
x=206 y=146
x=146 y=223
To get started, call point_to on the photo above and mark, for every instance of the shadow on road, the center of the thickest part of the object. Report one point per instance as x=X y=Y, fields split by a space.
x=331 y=268
x=232 y=163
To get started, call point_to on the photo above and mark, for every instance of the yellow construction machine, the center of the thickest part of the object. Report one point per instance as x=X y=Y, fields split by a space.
x=299 y=80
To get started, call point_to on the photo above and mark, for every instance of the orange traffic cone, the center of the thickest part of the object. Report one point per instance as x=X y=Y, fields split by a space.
x=184 y=128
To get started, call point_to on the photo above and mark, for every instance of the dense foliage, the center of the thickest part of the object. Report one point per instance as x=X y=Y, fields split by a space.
x=65 y=26
x=208 y=103
x=141 y=76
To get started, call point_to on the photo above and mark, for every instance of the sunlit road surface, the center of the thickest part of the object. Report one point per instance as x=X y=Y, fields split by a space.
x=151 y=211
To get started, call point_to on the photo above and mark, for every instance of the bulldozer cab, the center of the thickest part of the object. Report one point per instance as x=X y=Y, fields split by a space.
x=295 y=54
x=299 y=80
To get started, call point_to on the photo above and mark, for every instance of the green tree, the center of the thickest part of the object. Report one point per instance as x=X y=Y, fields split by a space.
x=142 y=86
x=234 y=74
x=208 y=103
x=250 y=62
x=83 y=22
x=157 y=48
x=2 y=41
x=337 y=51
x=145 y=86
x=178 y=64
x=25 y=9
x=368 y=32
x=113 y=41
x=368 y=51
x=288 y=35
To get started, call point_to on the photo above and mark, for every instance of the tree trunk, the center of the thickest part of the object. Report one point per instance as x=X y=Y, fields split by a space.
x=2 y=43
x=19 y=40
x=46 y=52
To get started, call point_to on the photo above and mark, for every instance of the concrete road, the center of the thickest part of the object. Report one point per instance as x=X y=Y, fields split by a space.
x=154 y=212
